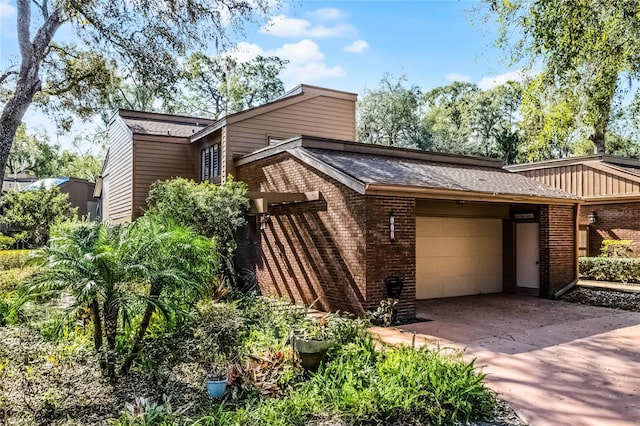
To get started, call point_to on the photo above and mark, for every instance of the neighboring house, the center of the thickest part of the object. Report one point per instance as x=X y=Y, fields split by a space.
x=610 y=187
x=17 y=181
x=335 y=221
x=80 y=192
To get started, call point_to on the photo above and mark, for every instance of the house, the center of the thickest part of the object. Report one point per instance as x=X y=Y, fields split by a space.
x=145 y=147
x=346 y=224
x=610 y=187
x=17 y=181
x=80 y=192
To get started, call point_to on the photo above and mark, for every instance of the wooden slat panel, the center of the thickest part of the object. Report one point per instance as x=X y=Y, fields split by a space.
x=116 y=200
x=319 y=116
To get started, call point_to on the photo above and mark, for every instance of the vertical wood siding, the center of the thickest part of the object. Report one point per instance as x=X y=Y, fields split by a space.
x=584 y=181
x=159 y=158
x=118 y=196
x=322 y=116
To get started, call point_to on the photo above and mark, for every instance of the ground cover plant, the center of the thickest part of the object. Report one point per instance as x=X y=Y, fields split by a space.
x=120 y=325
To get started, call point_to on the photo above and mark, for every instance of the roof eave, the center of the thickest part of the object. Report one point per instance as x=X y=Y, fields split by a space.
x=463 y=195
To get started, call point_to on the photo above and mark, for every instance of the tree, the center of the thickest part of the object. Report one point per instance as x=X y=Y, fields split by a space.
x=216 y=86
x=123 y=272
x=33 y=153
x=464 y=119
x=390 y=115
x=548 y=121
x=447 y=117
x=35 y=211
x=587 y=45
x=145 y=37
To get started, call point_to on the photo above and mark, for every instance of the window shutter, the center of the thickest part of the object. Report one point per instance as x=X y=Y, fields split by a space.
x=216 y=160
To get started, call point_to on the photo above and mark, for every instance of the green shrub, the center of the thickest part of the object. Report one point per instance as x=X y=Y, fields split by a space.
x=610 y=269
x=10 y=259
x=616 y=248
x=35 y=211
x=212 y=211
x=6 y=242
x=363 y=384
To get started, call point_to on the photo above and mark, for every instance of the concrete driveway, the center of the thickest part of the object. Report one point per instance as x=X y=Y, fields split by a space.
x=557 y=363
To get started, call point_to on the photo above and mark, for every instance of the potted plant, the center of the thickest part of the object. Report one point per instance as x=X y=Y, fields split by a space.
x=311 y=339
x=216 y=379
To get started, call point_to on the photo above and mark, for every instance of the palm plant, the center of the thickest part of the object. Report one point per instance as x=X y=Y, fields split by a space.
x=177 y=265
x=114 y=271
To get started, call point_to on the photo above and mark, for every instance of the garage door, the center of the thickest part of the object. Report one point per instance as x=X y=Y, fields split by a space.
x=458 y=256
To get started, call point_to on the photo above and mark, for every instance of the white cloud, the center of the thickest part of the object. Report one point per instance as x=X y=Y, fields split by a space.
x=244 y=51
x=306 y=61
x=357 y=46
x=305 y=73
x=302 y=52
x=284 y=26
x=327 y=14
x=490 y=82
x=7 y=11
x=453 y=76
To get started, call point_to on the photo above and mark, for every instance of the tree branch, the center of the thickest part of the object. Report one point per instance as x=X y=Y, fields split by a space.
x=46 y=32
x=6 y=75
x=24 y=22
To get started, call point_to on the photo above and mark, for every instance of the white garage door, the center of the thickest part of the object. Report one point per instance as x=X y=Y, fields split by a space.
x=458 y=256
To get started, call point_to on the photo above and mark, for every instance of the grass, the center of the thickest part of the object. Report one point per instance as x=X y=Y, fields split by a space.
x=49 y=374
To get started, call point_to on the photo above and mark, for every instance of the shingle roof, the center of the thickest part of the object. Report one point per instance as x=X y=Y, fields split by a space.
x=161 y=128
x=396 y=171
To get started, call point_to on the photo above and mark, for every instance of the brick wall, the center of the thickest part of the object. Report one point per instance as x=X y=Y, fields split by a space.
x=336 y=251
x=391 y=258
x=614 y=222
x=310 y=251
x=557 y=248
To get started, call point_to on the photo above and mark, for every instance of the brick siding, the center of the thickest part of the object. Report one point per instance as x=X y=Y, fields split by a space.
x=557 y=248
x=387 y=258
x=614 y=222
x=336 y=252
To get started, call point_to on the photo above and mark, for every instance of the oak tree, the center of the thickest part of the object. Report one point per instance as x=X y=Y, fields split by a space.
x=146 y=37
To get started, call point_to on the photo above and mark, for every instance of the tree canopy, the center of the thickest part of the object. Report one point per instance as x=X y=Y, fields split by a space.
x=142 y=38
x=389 y=115
x=589 y=46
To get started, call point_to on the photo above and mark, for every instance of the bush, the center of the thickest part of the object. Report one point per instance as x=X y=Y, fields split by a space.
x=212 y=211
x=6 y=242
x=12 y=259
x=610 y=269
x=616 y=248
x=34 y=211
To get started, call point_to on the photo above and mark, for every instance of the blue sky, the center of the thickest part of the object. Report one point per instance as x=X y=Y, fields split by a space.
x=349 y=45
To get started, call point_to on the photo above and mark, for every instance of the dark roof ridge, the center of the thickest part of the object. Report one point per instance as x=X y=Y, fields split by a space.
x=163 y=117
x=605 y=158
x=382 y=150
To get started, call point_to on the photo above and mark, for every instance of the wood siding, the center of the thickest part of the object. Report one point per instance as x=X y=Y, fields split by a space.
x=159 y=158
x=586 y=181
x=315 y=115
x=118 y=195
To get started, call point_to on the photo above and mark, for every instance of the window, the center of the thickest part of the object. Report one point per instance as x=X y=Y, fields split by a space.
x=210 y=162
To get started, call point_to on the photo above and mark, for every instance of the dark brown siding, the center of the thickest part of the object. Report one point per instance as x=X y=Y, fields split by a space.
x=557 y=248
x=585 y=180
x=158 y=158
